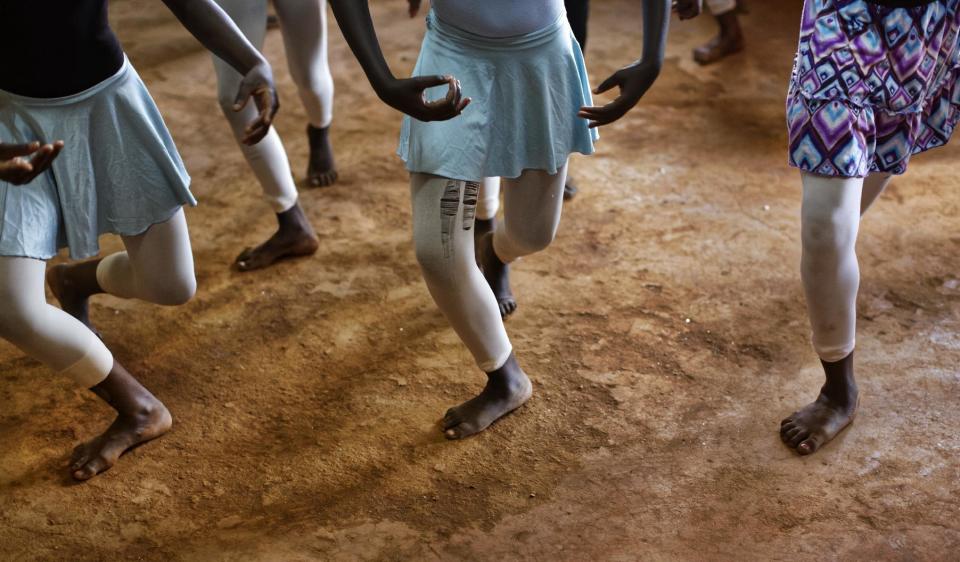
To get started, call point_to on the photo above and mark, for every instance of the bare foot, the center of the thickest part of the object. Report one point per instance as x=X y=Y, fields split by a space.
x=125 y=433
x=295 y=237
x=728 y=42
x=497 y=275
x=507 y=389
x=321 y=170
x=72 y=293
x=810 y=428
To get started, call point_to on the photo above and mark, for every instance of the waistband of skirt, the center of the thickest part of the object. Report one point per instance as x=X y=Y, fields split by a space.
x=125 y=69
x=463 y=37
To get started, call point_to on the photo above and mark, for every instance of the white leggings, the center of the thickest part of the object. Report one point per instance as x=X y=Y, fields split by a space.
x=443 y=216
x=720 y=7
x=830 y=220
x=157 y=267
x=304 y=25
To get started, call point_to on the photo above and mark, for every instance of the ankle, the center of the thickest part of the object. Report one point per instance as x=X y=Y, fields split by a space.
x=840 y=387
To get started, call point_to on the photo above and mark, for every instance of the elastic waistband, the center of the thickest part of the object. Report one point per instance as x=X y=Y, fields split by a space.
x=125 y=69
x=527 y=40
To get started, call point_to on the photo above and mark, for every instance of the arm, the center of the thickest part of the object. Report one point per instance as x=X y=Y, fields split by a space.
x=217 y=32
x=406 y=95
x=15 y=169
x=636 y=78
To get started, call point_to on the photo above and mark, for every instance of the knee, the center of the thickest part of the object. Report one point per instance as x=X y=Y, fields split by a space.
x=827 y=233
x=530 y=241
x=175 y=293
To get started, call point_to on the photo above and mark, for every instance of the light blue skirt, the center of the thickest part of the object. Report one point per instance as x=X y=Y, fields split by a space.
x=526 y=92
x=119 y=171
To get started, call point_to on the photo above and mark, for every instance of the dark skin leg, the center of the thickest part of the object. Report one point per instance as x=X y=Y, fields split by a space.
x=507 y=389
x=729 y=41
x=810 y=428
x=321 y=171
x=295 y=237
x=497 y=275
x=73 y=285
x=140 y=418
x=482 y=227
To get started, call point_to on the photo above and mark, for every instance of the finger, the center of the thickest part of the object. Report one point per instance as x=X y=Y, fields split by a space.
x=463 y=105
x=264 y=101
x=243 y=96
x=424 y=82
x=255 y=133
x=607 y=84
x=8 y=151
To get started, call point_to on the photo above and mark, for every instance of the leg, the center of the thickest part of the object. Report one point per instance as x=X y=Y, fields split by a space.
x=443 y=216
x=67 y=346
x=488 y=203
x=831 y=278
x=157 y=267
x=578 y=12
x=873 y=186
x=730 y=39
x=532 y=206
x=304 y=25
x=268 y=159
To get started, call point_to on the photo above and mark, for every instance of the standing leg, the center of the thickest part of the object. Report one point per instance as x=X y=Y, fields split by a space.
x=443 y=217
x=729 y=41
x=268 y=159
x=831 y=278
x=52 y=336
x=304 y=24
x=532 y=205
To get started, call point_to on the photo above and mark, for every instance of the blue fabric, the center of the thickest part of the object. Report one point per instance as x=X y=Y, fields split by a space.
x=526 y=92
x=119 y=171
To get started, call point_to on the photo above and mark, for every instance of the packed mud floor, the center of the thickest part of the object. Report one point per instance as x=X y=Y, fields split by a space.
x=665 y=331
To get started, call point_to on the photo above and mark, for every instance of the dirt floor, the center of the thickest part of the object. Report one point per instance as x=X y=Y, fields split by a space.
x=665 y=332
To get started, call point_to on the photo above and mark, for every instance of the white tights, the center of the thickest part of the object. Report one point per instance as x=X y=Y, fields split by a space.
x=157 y=267
x=443 y=216
x=830 y=220
x=304 y=26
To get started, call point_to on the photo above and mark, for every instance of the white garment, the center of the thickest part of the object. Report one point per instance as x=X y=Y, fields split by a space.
x=499 y=18
x=157 y=267
x=830 y=220
x=720 y=7
x=304 y=28
x=443 y=217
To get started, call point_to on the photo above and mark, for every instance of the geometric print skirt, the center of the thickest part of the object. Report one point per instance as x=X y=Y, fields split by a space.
x=872 y=85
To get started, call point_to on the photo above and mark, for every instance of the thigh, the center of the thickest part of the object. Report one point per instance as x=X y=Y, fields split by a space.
x=251 y=17
x=534 y=198
x=304 y=25
x=163 y=252
x=21 y=285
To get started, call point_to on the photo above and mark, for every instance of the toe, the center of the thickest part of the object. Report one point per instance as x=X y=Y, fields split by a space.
x=784 y=429
x=789 y=434
x=451 y=419
x=808 y=446
x=92 y=468
x=460 y=431
x=79 y=457
x=244 y=255
x=798 y=438
x=785 y=421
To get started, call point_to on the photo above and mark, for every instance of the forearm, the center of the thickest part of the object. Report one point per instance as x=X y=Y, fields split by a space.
x=656 y=23
x=353 y=17
x=217 y=32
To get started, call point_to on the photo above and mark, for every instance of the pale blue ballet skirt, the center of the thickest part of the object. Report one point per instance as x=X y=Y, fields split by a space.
x=525 y=90
x=119 y=171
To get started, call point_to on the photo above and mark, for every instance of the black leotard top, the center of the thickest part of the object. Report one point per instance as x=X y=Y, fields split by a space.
x=55 y=48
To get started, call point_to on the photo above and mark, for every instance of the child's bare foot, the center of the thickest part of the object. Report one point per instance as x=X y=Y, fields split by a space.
x=140 y=418
x=810 y=428
x=507 y=389
x=728 y=42
x=295 y=237
x=321 y=170
x=497 y=275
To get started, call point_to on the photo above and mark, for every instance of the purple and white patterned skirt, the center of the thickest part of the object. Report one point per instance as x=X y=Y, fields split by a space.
x=872 y=85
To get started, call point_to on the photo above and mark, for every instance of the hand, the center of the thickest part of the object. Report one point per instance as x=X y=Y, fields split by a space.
x=258 y=84
x=15 y=169
x=414 y=7
x=688 y=9
x=408 y=96
x=634 y=81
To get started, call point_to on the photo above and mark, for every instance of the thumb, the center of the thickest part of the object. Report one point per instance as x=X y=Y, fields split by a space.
x=243 y=96
x=613 y=80
x=424 y=82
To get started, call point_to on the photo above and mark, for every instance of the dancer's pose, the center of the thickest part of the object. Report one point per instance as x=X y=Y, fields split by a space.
x=303 y=24
x=519 y=63
x=106 y=165
x=730 y=38
x=872 y=85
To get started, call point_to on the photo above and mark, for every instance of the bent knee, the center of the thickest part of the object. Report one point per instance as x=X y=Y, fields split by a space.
x=174 y=294
x=531 y=242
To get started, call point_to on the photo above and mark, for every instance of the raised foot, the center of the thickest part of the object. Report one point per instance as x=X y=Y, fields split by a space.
x=72 y=300
x=497 y=275
x=125 y=433
x=507 y=389
x=294 y=238
x=810 y=428
x=321 y=170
